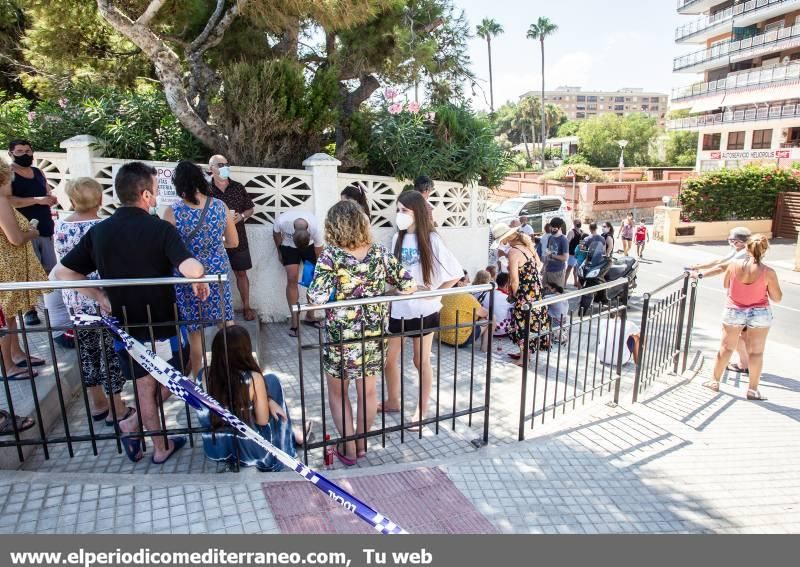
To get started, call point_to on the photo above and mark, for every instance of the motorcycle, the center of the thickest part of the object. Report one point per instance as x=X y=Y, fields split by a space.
x=602 y=270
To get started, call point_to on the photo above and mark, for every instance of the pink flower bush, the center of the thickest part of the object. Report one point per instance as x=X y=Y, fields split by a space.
x=396 y=108
x=31 y=116
x=62 y=102
x=390 y=93
x=413 y=107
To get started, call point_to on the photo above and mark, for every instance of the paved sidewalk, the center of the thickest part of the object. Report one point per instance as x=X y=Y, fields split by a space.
x=685 y=460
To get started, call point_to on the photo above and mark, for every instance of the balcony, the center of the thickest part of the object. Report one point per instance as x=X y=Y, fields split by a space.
x=753 y=78
x=775 y=112
x=732 y=51
x=696 y=6
x=744 y=14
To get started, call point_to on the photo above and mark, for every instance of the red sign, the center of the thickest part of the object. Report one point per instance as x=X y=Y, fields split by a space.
x=783 y=154
x=716 y=155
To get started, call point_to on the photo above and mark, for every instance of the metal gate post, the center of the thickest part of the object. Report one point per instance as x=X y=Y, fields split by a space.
x=681 y=316
x=689 y=324
x=642 y=347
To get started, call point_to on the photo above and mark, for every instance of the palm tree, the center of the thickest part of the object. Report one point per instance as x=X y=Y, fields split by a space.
x=528 y=110
x=541 y=30
x=488 y=29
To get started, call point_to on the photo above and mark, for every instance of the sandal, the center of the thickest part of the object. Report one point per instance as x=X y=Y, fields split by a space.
x=99 y=416
x=316 y=324
x=177 y=444
x=382 y=408
x=23 y=374
x=514 y=355
x=738 y=369
x=34 y=362
x=7 y=427
x=755 y=396
x=293 y=332
x=346 y=461
x=712 y=385
x=110 y=423
x=133 y=448
x=249 y=314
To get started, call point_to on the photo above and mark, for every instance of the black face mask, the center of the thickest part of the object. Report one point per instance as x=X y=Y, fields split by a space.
x=24 y=160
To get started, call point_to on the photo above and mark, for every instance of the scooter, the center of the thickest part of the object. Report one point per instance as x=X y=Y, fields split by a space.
x=602 y=270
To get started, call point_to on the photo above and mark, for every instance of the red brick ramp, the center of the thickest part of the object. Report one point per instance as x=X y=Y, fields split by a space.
x=422 y=501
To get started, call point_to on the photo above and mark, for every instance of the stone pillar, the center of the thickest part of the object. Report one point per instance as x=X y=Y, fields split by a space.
x=324 y=185
x=665 y=221
x=80 y=152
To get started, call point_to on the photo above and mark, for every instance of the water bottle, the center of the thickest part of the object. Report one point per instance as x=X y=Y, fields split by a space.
x=329 y=453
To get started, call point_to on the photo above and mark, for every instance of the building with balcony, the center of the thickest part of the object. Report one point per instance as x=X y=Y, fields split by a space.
x=578 y=104
x=747 y=105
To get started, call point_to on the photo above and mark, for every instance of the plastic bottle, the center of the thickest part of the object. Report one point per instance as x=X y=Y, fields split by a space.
x=329 y=453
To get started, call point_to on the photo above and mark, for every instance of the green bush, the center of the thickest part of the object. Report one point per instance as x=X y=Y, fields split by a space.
x=732 y=194
x=447 y=142
x=131 y=124
x=582 y=171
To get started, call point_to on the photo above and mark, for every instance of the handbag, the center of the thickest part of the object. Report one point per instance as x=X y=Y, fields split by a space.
x=308 y=274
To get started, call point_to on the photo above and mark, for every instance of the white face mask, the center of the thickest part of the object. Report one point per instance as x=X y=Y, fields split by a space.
x=224 y=172
x=404 y=221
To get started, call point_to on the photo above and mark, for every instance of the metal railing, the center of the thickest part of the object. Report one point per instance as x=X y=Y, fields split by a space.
x=727 y=15
x=751 y=78
x=50 y=406
x=739 y=48
x=684 y=3
x=459 y=398
x=775 y=112
x=666 y=331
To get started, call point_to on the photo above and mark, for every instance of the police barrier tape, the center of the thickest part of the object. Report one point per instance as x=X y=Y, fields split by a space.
x=191 y=394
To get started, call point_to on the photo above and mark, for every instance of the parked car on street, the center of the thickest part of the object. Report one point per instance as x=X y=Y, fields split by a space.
x=538 y=209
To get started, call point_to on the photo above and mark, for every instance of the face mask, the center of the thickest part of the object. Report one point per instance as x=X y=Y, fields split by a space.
x=404 y=221
x=23 y=160
x=224 y=172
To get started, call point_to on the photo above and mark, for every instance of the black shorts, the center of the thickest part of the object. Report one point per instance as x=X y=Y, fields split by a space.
x=428 y=324
x=291 y=255
x=131 y=369
x=240 y=259
x=628 y=238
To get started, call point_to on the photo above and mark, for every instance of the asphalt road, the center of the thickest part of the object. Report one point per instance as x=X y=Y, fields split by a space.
x=664 y=262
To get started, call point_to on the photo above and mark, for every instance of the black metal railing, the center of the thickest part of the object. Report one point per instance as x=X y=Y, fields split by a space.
x=458 y=395
x=60 y=421
x=575 y=359
x=666 y=331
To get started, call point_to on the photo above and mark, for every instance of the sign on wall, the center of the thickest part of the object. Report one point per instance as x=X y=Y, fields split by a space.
x=788 y=154
x=166 y=190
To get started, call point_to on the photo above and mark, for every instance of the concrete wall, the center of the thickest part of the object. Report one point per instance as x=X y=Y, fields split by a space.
x=667 y=226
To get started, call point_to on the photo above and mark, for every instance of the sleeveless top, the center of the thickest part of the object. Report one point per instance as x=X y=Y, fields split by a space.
x=34 y=187
x=748 y=296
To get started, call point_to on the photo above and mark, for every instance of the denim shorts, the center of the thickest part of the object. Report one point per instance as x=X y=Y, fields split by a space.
x=753 y=318
x=572 y=261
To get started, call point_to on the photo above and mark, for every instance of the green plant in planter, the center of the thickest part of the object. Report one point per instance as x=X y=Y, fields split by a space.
x=581 y=170
x=733 y=194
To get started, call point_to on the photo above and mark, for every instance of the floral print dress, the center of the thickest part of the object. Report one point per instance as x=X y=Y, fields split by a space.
x=340 y=275
x=529 y=291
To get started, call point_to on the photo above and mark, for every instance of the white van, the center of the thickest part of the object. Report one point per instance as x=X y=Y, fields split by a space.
x=538 y=209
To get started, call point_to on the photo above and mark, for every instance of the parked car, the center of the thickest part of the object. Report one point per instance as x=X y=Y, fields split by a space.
x=538 y=209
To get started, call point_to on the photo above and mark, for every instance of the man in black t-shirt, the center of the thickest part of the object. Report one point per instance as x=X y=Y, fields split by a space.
x=134 y=244
x=574 y=237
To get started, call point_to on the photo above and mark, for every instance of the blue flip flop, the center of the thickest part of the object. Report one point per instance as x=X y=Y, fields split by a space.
x=133 y=448
x=177 y=442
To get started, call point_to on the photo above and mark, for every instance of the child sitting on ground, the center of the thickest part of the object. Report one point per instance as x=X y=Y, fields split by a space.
x=558 y=312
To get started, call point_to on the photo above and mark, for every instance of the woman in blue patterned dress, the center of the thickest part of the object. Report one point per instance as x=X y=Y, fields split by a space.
x=202 y=222
x=353 y=267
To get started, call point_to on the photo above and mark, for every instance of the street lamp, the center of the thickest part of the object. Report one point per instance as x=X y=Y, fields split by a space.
x=621 y=144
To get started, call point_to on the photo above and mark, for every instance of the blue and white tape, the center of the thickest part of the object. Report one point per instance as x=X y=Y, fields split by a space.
x=191 y=394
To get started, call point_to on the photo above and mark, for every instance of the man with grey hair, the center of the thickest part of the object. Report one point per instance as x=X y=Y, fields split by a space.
x=737 y=239
x=242 y=207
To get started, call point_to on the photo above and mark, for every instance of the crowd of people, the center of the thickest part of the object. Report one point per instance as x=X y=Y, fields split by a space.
x=335 y=259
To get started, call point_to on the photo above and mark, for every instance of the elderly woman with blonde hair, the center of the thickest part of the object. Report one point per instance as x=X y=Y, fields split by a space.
x=100 y=370
x=353 y=267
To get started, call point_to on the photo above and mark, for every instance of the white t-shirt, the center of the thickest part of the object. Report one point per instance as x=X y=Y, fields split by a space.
x=557 y=310
x=609 y=341
x=285 y=225
x=502 y=308
x=526 y=229
x=445 y=268
x=734 y=255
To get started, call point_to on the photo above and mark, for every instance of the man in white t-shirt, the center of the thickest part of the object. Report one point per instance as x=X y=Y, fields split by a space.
x=524 y=227
x=298 y=239
x=609 y=332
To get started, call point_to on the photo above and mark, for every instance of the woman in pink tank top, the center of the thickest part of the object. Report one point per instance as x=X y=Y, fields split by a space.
x=751 y=286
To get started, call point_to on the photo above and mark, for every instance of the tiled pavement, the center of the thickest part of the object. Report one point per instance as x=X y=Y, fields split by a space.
x=685 y=460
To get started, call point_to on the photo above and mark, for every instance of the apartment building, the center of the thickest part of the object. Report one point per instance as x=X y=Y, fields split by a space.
x=747 y=105
x=578 y=104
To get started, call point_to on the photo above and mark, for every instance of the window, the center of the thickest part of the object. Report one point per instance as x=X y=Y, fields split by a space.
x=654 y=99
x=711 y=142
x=735 y=140
x=619 y=107
x=581 y=99
x=762 y=139
x=591 y=98
x=532 y=208
x=654 y=107
x=579 y=115
x=550 y=205
x=619 y=99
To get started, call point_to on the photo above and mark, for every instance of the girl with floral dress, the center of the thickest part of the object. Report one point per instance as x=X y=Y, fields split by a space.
x=100 y=368
x=353 y=267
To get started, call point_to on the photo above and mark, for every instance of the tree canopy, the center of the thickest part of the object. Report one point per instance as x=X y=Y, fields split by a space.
x=599 y=136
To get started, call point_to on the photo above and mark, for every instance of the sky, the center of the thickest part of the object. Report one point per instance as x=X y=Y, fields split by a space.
x=599 y=45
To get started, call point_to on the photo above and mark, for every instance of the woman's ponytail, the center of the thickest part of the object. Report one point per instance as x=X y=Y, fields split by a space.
x=757 y=246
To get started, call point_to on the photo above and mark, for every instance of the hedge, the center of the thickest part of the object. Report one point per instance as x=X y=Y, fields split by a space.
x=733 y=194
